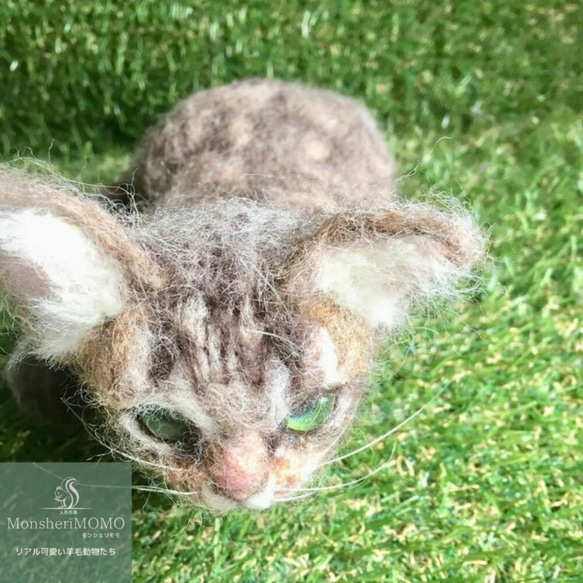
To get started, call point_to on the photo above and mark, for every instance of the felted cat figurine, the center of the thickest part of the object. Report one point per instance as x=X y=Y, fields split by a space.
x=227 y=325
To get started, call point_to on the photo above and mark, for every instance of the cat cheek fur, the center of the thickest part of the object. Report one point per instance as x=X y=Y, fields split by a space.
x=114 y=360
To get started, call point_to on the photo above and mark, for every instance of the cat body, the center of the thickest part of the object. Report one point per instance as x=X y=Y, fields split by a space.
x=227 y=326
x=267 y=141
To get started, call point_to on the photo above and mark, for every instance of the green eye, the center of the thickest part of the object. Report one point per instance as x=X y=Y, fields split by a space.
x=164 y=425
x=313 y=417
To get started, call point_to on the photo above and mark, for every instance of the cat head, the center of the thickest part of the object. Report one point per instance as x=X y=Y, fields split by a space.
x=227 y=345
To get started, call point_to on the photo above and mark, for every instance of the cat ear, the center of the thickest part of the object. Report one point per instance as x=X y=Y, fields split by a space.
x=63 y=261
x=375 y=265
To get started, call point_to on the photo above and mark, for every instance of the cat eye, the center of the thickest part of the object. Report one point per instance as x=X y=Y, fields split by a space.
x=164 y=425
x=312 y=418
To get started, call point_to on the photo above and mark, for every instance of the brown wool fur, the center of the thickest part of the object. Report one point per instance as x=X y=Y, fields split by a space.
x=268 y=141
x=268 y=258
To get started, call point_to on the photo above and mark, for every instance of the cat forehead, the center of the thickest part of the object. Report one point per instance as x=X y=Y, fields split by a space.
x=219 y=407
x=212 y=362
x=226 y=335
x=198 y=315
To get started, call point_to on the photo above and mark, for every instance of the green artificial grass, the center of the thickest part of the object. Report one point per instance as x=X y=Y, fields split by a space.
x=481 y=101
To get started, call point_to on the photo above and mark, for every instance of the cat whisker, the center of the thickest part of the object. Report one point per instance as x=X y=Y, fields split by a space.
x=388 y=433
x=161 y=490
x=146 y=462
x=89 y=428
x=293 y=498
x=345 y=484
x=167 y=491
x=331 y=446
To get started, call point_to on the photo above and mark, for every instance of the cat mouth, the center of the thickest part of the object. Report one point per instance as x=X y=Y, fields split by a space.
x=218 y=499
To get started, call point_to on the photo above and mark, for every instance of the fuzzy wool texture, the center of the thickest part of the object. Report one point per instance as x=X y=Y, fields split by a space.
x=68 y=285
x=230 y=301
x=266 y=140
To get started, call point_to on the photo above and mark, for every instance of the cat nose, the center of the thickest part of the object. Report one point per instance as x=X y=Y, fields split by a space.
x=241 y=470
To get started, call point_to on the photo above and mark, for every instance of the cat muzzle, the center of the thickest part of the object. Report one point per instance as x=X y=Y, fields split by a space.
x=242 y=470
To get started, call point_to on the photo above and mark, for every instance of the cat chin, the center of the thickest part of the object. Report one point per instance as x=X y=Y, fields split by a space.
x=263 y=499
x=216 y=501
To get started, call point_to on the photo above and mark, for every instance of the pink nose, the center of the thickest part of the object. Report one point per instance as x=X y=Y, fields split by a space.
x=242 y=469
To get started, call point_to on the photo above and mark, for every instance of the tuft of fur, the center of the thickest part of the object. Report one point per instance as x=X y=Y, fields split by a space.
x=269 y=259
